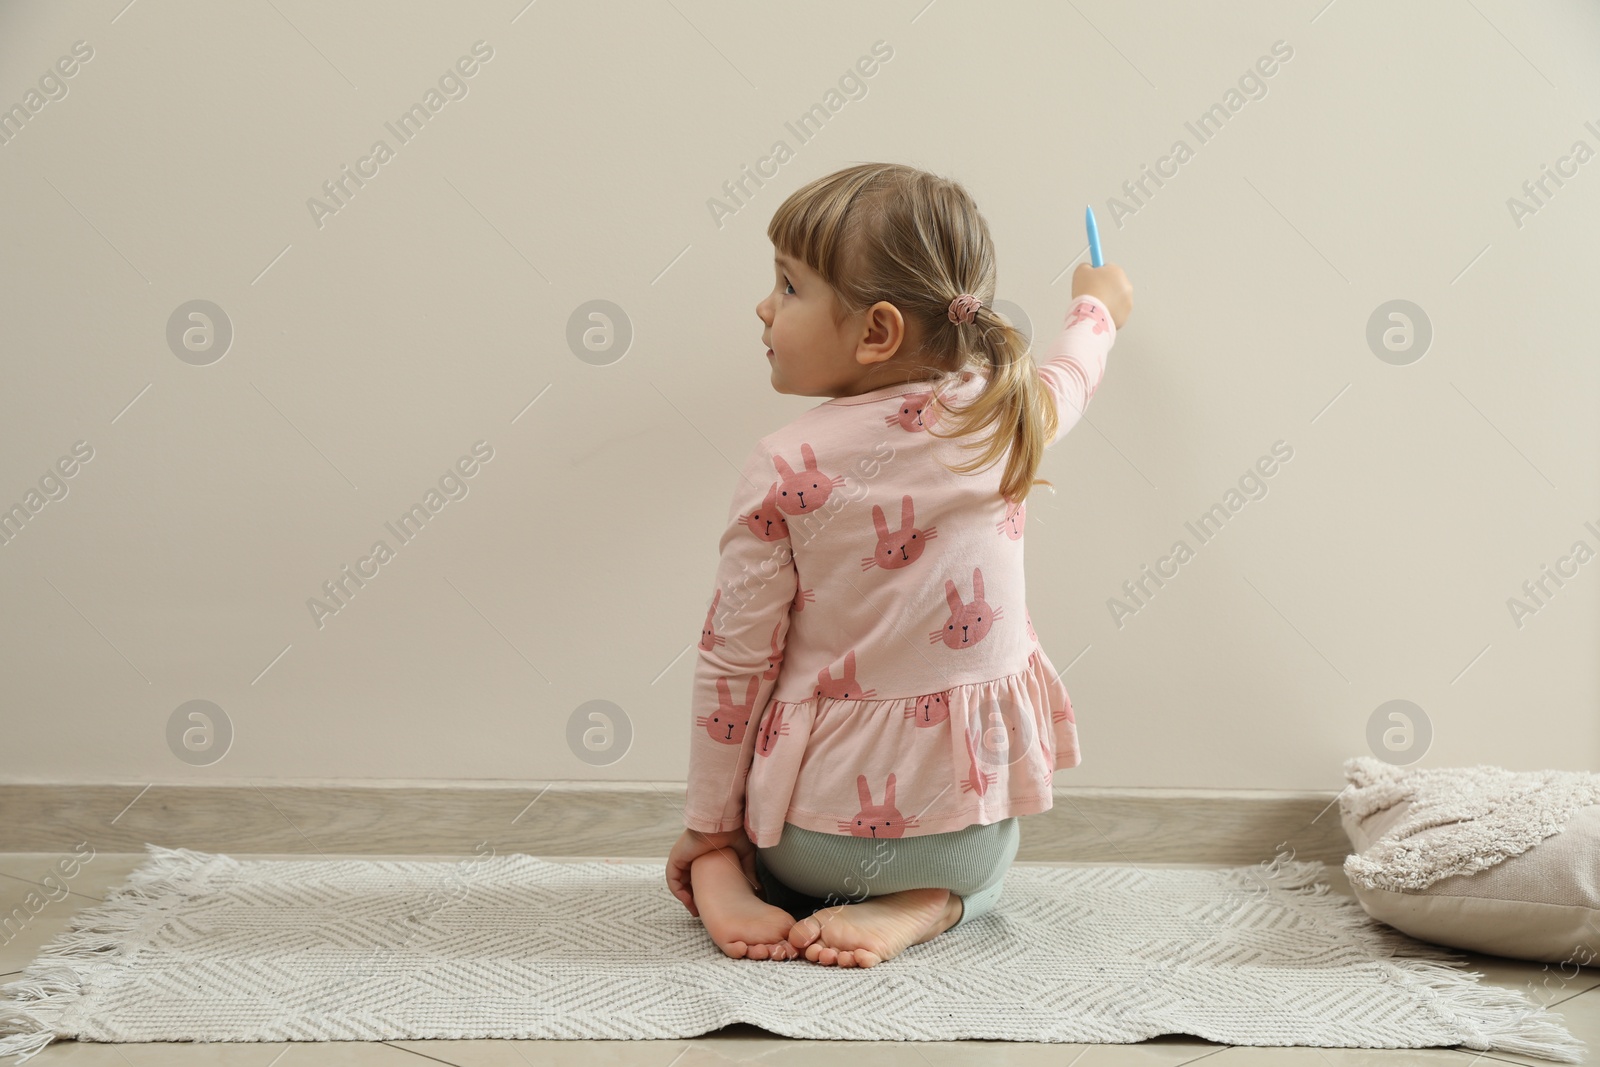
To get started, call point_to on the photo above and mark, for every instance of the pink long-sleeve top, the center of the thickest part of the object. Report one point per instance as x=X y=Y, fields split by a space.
x=868 y=665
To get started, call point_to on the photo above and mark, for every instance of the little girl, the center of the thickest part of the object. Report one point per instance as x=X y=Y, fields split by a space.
x=872 y=707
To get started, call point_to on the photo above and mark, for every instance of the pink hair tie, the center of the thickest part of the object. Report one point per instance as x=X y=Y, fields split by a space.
x=964 y=309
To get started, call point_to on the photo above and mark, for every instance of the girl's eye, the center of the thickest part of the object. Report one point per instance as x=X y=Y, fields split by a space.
x=787 y=283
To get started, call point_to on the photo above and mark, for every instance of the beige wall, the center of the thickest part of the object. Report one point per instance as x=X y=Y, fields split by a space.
x=373 y=346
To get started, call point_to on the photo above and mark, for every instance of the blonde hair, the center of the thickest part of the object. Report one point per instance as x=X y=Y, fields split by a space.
x=885 y=231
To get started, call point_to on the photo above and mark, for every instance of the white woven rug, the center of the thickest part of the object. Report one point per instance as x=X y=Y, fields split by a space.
x=202 y=947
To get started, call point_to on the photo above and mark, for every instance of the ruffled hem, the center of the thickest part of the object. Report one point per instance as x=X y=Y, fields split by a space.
x=908 y=766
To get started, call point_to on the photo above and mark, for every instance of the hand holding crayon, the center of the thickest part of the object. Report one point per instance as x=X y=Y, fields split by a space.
x=1106 y=283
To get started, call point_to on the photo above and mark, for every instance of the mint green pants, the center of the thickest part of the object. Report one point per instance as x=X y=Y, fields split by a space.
x=807 y=870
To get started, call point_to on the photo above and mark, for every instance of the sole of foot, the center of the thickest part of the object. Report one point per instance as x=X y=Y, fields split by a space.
x=751 y=929
x=876 y=929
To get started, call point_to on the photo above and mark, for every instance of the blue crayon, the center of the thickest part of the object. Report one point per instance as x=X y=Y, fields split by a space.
x=1095 y=259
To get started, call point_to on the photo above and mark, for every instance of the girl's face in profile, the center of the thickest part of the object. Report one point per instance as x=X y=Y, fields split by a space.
x=798 y=320
x=810 y=355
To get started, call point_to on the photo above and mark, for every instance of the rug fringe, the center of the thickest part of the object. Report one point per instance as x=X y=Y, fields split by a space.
x=1488 y=1017
x=31 y=1007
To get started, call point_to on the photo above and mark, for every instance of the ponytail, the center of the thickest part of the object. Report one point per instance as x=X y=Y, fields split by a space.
x=1015 y=401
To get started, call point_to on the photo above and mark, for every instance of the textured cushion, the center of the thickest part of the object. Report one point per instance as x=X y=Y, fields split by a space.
x=1478 y=858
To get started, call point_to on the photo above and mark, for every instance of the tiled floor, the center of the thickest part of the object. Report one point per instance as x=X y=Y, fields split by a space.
x=1575 y=997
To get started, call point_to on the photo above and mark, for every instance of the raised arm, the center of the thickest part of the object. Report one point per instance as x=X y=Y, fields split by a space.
x=1076 y=360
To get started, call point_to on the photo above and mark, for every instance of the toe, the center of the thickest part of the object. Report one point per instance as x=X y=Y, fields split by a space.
x=804 y=932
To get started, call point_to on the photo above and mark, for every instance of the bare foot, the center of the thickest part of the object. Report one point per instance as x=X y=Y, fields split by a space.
x=743 y=925
x=876 y=929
